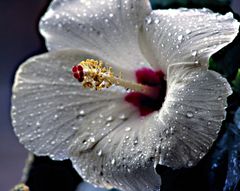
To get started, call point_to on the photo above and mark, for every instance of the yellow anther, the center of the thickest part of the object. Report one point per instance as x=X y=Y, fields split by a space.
x=96 y=76
x=92 y=74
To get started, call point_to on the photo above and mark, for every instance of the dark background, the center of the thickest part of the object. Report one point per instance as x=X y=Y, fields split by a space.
x=19 y=39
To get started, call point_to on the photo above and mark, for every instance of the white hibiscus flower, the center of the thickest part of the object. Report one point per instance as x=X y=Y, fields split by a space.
x=116 y=137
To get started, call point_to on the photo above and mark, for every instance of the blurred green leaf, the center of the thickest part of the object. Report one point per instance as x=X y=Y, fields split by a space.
x=236 y=82
x=214 y=66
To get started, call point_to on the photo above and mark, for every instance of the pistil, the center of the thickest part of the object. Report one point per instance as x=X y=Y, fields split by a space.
x=92 y=74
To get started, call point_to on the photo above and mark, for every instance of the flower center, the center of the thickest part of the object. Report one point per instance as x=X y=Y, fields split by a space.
x=147 y=94
x=148 y=103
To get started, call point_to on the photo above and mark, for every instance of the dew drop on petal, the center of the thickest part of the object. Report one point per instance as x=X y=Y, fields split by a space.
x=82 y=113
x=110 y=118
x=99 y=153
x=113 y=161
x=148 y=20
x=123 y=117
x=188 y=31
x=189 y=114
x=128 y=129
x=194 y=53
x=201 y=155
x=52 y=142
x=156 y=21
x=180 y=37
x=135 y=142
x=92 y=139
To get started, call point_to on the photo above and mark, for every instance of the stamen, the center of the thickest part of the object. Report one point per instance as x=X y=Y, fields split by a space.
x=92 y=74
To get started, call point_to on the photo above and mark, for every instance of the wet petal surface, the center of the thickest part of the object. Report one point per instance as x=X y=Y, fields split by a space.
x=107 y=29
x=49 y=105
x=103 y=135
x=191 y=115
x=185 y=35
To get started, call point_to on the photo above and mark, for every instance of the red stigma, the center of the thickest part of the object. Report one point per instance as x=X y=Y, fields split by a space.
x=77 y=72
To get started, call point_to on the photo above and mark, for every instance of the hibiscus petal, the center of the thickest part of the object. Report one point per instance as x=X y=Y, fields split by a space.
x=185 y=35
x=49 y=105
x=124 y=159
x=107 y=29
x=101 y=133
x=192 y=114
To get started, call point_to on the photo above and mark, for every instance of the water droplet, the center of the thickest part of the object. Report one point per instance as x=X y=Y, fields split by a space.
x=109 y=140
x=148 y=20
x=82 y=113
x=113 y=161
x=194 y=53
x=111 y=15
x=156 y=21
x=37 y=123
x=123 y=117
x=128 y=129
x=189 y=114
x=92 y=139
x=180 y=37
x=188 y=31
x=110 y=118
x=219 y=98
x=53 y=142
x=99 y=153
x=201 y=155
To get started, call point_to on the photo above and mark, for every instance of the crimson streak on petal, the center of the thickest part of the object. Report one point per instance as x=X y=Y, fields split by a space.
x=147 y=104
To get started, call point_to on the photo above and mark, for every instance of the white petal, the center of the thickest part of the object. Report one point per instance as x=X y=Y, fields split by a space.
x=100 y=132
x=124 y=159
x=108 y=29
x=192 y=114
x=49 y=105
x=185 y=35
